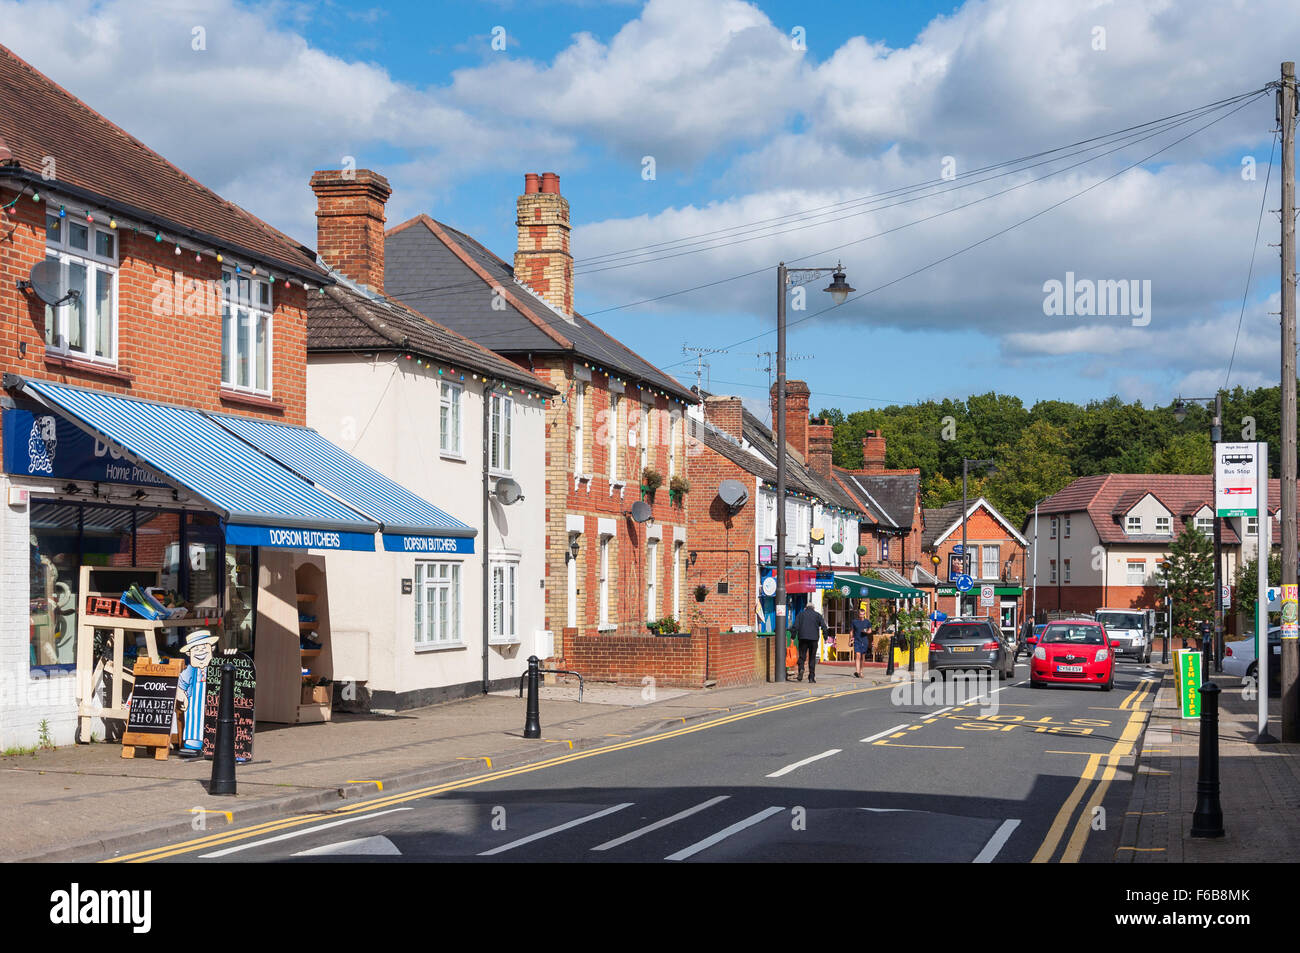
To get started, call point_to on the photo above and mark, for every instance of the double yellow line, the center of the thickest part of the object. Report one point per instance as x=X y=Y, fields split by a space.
x=1121 y=749
x=213 y=841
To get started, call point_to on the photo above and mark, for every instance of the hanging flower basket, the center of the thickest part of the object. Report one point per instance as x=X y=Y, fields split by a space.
x=862 y=550
x=837 y=548
x=701 y=592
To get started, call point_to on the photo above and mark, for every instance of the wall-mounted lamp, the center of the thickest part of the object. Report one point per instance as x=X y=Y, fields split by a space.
x=572 y=554
x=691 y=557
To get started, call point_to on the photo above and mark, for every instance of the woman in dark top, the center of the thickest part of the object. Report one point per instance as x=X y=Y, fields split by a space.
x=861 y=640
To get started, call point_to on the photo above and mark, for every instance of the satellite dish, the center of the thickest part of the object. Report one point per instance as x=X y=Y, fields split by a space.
x=641 y=511
x=508 y=492
x=733 y=494
x=45 y=282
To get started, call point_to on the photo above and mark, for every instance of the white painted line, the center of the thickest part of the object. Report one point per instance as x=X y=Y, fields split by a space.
x=305 y=830
x=799 y=764
x=723 y=834
x=996 y=842
x=553 y=830
x=378 y=846
x=941 y=711
x=887 y=731
x=664 y=823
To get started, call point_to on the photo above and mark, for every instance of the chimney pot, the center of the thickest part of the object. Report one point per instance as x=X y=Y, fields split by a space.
x=531 y=183
x=550 y=183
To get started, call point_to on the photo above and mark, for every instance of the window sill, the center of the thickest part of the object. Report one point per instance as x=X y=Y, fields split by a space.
x=441 y=647
x=450 y=455
x=110 y=371
x=500 y=474
x=508 y=640
x=606 y=628
x=251 y=400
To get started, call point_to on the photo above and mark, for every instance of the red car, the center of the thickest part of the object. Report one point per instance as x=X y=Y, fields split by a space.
x=1073 y=652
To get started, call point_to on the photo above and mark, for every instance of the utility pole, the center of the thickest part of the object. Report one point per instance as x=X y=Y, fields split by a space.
x=778 y=648
x=1216 y=646
x=1290 y=654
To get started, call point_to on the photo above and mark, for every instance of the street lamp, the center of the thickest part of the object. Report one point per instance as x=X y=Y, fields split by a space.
x=839 y=290
x=990 y=468
x=1216 y=435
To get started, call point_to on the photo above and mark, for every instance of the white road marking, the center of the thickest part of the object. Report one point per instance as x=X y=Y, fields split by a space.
x=664 y=823
x=996 y=842
x=378 y=846
x=723 y=834
x=306 y=830
x=941 y=711
x=553 y=830
x=887 y=731
x=799 y=764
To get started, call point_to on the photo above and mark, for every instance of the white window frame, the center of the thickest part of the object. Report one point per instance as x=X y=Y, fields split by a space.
x=451 y=409
x=1052 y=568
x=674 y=421
x=58 y=247
x=1053 y=533
x=602 y=580
x=1208 y=527
x=571 y=582
x=1164 y=524
x=651 y=580
x=679 y=547
x=984 y=561
x=1128 y=572
x=504 y=600
x=579 y=432
x=259 y=314
x=1132 y=524
x=1067 y=569
x=501 y=412
x=445 y=575
x=1067 y=527
x=1252 y=526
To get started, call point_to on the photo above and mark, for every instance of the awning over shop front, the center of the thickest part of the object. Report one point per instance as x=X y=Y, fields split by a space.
x=864 y=587
x=263 y=501
x=409 y=523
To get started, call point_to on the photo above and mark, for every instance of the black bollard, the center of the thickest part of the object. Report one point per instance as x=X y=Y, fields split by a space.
x=532 y=720
x=223 y=755
x=911 y=653
x=1207 y=819
x=889 y=651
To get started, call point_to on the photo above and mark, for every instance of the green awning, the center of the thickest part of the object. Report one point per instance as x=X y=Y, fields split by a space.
x=975 y=590
x=864 y=587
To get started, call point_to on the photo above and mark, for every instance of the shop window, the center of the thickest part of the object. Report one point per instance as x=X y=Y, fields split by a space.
x=449 y=419
x=246 y=311
x=505 y=601
x=499 y=434
x=85 y=326
x=241 y=598
x=55 y=540
x=437 y=604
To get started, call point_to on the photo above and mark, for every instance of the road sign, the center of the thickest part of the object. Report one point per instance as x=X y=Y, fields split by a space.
x=959 y=550
x=987 y=599
x=1225 y=596
x=964 y=583
x=1235 y=489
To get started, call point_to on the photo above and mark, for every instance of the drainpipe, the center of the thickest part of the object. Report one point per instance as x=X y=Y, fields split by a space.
x=488 y=387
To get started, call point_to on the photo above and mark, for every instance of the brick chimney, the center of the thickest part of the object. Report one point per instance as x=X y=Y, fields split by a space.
x=820 y=436
x=726 y=414
x=542 y=257
x=797 y=395
x=873 y=452
x=350 y=222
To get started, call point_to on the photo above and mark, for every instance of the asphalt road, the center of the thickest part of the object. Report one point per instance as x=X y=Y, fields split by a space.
x=870 y=774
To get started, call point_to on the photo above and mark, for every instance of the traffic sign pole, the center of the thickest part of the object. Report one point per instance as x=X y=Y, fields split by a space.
x=1265 y=531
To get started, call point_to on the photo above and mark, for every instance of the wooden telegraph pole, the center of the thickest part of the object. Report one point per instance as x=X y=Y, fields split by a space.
x=1286 y=98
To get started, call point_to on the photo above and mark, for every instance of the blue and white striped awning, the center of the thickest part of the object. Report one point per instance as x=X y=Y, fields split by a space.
x=263 y=502
x=409 y=523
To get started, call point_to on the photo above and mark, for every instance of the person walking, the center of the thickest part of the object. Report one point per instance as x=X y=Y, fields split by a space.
x=862 y=632
x=807 y=627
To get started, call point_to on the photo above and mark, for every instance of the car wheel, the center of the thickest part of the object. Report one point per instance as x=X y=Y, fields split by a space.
x=1110 y=684
x=1034 y=683
x=1253 y=671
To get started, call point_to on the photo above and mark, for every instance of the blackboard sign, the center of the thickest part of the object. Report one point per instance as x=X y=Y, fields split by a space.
x=152 y=708
x=245 y=686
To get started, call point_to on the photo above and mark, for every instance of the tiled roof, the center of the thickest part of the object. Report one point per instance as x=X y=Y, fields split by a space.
x=1107 y=497
x=938 y=521
x=452 y=279
x=345 y=318
x=890 y=497
x=38 y=118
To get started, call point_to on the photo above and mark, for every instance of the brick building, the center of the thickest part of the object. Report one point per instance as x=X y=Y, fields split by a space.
x=892 y=498
x=616 y=418
x=996 y=554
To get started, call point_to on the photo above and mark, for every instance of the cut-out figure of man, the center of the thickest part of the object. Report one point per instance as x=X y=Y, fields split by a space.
x=191 y=688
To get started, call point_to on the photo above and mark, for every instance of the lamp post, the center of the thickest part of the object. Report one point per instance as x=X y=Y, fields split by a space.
x=1216 y=434
x=839 y=290
x=965 y=467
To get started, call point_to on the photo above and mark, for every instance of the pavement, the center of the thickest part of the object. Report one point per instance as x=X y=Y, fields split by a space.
x=86 y=801
x=1259 y=785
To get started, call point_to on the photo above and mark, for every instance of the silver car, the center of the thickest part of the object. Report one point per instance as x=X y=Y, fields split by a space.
x=972 y=644
x=1239 y=657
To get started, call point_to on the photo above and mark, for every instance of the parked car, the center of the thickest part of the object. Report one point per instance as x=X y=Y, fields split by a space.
x=1073 y=652
x=972 y=644
x=1239 y=658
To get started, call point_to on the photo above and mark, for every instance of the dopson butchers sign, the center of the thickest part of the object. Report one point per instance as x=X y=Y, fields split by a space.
x=245 y=689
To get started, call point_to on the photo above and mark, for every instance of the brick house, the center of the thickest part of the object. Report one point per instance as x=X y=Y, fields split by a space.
x=892 y=498
x=997 y=554
x=617 y=415
x=1100 y=541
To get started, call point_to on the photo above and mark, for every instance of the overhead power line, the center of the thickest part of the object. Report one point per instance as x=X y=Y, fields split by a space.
x=1251 y=270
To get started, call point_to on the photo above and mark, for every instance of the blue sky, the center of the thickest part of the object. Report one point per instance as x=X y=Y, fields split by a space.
x=743 y=125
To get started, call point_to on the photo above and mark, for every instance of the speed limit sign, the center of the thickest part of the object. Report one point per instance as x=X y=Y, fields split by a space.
x=986 y=597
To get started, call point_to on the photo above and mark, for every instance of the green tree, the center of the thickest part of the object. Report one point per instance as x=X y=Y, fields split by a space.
x=1245 y=592
x=1184 y=453
x=1188 y=572
x=1035 y=466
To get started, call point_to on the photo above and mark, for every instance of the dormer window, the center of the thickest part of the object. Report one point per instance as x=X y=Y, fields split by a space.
x=1133 y=524
x=1205 y=524
x=1163 y=526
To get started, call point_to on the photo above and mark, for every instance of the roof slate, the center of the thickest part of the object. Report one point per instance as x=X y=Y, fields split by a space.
x=39 y=118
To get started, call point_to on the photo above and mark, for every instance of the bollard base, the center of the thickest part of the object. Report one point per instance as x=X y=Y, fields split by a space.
x=1264 y=738
x=1206 y=831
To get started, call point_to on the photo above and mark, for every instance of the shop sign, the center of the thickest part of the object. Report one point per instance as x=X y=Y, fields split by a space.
x=825 y=580
x=1189 y=682
x=293 y=538
x=245 y=677
x=448 y=545
x=47 y=445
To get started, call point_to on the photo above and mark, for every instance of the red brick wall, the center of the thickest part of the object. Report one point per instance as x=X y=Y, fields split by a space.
x=350 y=222
x=724 y=545
x=796 y=415
x=683 y=661
x=169 y=358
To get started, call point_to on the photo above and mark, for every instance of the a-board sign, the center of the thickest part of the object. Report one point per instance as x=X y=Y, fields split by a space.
x=245 y=687
x=152 y=706
x=1189 y=682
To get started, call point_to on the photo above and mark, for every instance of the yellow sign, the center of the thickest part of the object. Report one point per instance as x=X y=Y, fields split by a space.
x=1189 y=682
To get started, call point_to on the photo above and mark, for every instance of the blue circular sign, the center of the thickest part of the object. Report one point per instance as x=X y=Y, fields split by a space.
x=964 y=583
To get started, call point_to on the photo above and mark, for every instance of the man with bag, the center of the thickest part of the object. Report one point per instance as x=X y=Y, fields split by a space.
x=807 y=627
